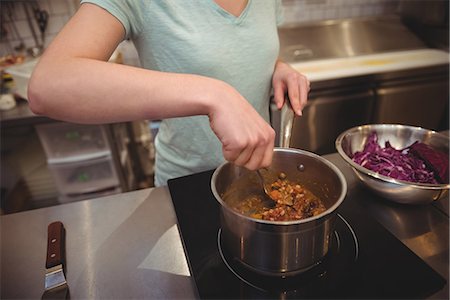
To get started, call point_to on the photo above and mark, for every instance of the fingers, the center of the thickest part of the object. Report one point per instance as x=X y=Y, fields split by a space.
x=253 y=153
x=294 y=93
x=298 y=88
x=247 y=139
x=278 y=94
x=290 y=81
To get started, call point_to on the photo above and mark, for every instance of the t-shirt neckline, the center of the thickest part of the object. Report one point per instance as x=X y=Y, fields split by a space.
x=227 y=14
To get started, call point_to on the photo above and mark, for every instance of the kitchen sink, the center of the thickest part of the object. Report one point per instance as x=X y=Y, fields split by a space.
x=345 y=38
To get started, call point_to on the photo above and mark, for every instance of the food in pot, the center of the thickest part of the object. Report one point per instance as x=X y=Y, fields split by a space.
x=292 y=201
x=417 y=163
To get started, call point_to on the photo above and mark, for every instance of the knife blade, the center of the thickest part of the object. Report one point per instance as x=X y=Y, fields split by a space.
x=55 y=280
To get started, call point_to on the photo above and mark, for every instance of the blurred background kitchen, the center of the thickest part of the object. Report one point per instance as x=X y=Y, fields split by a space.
x=369 y=61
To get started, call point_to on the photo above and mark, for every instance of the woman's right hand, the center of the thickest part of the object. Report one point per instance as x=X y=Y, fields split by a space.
x=247 y=139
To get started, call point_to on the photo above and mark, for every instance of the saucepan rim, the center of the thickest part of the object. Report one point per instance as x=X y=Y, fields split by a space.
x=330 y=210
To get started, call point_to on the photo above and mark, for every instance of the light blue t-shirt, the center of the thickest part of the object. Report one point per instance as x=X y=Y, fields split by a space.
x=199 y=37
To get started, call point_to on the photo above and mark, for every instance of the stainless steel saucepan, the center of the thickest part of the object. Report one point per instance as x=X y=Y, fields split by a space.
x=275 y=247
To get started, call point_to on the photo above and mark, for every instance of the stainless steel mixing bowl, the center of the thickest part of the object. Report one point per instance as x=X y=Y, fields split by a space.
x=400 y=136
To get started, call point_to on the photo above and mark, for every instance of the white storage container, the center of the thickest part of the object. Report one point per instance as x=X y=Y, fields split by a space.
x=21 y=74
x=67 y=142
x=85 y=176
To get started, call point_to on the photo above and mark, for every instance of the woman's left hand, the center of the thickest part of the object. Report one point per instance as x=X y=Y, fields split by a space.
x=286 y=80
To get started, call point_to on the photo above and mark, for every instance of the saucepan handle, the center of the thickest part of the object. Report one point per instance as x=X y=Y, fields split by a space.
x=286 y=123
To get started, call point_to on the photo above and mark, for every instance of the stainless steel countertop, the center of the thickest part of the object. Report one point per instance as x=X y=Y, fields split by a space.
x=128 y=245
x=20 y=115
x=422 y=228
x=121 y=246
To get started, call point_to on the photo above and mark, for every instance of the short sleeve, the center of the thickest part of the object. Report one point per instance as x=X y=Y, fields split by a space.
x=122 y=10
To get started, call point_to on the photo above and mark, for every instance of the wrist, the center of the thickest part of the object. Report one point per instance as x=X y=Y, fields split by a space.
x=214 y=96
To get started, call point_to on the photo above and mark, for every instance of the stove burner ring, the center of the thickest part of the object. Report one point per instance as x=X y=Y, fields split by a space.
x=355 y=239
x=225 y=260
x=319 y=271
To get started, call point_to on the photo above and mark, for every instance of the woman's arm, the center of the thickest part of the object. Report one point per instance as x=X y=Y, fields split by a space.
x=74 y=82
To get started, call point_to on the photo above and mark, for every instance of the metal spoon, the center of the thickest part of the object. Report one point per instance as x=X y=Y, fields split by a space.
x=267 y=198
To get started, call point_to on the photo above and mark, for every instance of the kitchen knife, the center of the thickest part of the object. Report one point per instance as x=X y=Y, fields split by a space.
x=55 y=280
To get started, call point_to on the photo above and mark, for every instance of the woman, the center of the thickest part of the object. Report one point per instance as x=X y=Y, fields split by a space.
x=208 y=68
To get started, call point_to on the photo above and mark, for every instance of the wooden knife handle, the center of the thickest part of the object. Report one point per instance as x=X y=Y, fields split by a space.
x=55 y=245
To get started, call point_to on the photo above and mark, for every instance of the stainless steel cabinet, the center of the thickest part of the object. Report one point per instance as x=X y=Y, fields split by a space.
x=419 y=102
x=327 y=114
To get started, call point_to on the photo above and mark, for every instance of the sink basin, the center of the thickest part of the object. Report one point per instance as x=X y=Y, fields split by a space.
x=345 y=38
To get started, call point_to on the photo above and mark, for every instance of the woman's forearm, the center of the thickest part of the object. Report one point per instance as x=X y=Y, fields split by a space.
x=82 y=90
x=103 y=92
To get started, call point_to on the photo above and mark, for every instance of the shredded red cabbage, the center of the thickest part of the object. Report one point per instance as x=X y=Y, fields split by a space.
x=435 y=160
x=404 y=164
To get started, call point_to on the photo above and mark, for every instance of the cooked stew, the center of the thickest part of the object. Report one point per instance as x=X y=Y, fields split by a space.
x=291 y=201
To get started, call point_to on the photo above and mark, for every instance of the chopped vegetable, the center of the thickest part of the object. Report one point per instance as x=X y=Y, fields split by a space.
x=417 y=163
x=292 y=202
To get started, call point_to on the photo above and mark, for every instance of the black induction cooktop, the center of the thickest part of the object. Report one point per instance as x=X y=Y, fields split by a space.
x=365 y=261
